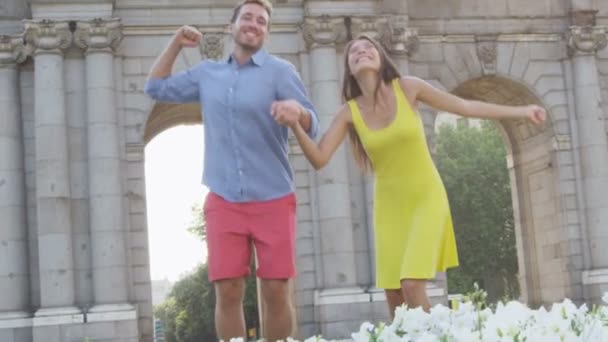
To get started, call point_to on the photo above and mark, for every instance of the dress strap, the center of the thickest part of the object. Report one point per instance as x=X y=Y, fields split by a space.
x=402 y=101
x=356 y=116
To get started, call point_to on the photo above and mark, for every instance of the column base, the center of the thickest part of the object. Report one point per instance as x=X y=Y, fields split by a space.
x=595 y=282
x=111 y=312
x=58 y=316
x=117 y=322
x=340 y=311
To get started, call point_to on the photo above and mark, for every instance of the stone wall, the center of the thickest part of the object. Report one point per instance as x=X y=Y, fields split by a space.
x=602 y=65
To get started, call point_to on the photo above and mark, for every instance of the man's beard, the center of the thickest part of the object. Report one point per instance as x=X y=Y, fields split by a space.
x=247 y=47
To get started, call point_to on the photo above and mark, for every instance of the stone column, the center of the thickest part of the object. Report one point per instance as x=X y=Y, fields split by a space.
x=14 y=285
x=584 y=41
x=76 y=103
x=110 y=287
x=337 y=245
x=49 y=39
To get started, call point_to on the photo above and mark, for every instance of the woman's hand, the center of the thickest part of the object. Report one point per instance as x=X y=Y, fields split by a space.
x=536 y=114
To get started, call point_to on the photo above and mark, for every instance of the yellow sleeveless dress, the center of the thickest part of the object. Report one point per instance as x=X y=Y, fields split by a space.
x=414 y=237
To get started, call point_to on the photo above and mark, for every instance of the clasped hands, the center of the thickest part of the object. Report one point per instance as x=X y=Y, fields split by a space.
x=287 y=112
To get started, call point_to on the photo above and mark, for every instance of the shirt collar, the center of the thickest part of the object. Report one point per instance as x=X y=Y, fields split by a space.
x=258 y=58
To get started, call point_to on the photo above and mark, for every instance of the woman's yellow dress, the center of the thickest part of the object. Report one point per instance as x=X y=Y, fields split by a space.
x=414 y=237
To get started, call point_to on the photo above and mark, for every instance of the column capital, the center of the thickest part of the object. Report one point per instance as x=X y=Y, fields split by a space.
x=372 y=27
x=12 y=50
x=48 y=36
x=398 y=38
x=98 y=35
x=324 y=31
x=212 y=45
x=586 y=40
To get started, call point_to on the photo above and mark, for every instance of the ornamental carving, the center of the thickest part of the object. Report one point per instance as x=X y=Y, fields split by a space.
x=324 y=30
x=98 y=34
x=212 y=46
x=586 y=39
x=48 y=35
x=487 y=53
x=398 y=38
x=370 y=26
x=12 y=50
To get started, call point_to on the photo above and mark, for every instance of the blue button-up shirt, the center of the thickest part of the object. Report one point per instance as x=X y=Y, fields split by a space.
x=245 y=149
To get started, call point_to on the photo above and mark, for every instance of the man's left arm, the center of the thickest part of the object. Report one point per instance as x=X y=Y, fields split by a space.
x=290 y=87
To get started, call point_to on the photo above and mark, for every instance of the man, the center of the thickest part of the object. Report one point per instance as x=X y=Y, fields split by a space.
x=247 y=169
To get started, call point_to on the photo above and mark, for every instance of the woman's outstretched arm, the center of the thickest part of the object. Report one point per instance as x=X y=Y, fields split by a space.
x=469 y=108
x=319 y=154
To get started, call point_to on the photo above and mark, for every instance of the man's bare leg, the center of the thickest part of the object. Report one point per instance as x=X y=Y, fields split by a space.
x=229 y=316
x=278 y=309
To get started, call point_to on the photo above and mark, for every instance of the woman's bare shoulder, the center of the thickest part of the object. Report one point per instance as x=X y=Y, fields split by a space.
x=411 y=83
x=344 y=113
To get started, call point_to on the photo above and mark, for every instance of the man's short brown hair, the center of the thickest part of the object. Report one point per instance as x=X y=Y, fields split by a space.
x=264 y=3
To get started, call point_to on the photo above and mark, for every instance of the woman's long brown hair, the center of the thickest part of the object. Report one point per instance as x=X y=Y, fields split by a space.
x=351 y=90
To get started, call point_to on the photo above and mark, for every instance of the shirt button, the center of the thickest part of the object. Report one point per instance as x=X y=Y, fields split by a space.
x=230 y=90
x=241 y=172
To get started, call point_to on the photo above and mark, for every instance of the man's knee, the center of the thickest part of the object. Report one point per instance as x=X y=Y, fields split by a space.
x=276 y=293
x=230 y=291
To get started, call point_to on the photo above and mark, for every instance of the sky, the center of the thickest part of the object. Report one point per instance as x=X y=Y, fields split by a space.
x=174 y=163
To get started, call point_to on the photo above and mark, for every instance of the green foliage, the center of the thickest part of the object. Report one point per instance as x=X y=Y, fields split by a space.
x=472 y=164
x=197 y=225
x=188 y=313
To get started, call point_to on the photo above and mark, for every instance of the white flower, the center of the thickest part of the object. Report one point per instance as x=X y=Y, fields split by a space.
x=314 y=339
x=426 y=337
x=510 y=322
x=365 y=331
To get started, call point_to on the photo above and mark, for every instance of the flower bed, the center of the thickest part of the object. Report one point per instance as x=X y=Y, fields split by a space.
x=470 y=322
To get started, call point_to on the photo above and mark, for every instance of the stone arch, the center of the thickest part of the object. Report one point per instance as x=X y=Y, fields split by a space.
x=164 y=116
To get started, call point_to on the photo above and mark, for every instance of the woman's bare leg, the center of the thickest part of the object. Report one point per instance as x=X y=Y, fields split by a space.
x=415 y=292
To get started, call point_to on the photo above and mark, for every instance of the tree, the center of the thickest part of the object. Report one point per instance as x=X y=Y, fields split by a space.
x=472 y=163
x=188 y=313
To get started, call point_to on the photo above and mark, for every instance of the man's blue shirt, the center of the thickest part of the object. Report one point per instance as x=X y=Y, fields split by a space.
x=246 y=151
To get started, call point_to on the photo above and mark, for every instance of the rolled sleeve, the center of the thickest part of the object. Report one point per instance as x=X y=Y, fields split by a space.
x=291 y=88
x=182 y=87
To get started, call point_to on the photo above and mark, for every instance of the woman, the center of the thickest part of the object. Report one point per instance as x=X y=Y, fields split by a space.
x=412 y=222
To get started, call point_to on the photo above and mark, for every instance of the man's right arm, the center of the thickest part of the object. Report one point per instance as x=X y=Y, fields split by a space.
x=183 y=86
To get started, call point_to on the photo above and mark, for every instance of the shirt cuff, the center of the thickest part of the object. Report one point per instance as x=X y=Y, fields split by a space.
x=314 y=124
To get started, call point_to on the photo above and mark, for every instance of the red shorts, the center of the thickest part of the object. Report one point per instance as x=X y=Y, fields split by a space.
x=233 y=228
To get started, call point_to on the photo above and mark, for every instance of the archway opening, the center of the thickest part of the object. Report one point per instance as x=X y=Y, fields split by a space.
x=183 y=297
x=530 y=184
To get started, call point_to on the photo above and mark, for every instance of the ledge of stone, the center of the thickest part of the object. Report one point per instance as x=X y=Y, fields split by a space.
x=361 y=295
x=597 y=276
x=73 y=11
x=58 y=316
x=12 y=320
